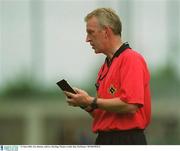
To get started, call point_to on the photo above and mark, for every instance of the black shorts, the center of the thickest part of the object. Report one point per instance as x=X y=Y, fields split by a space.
x=127 y=137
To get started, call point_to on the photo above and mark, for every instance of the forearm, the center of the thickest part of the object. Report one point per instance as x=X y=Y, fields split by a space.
x=116 y=105
x=112 y=105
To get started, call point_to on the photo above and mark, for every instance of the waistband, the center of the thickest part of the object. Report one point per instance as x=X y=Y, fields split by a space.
x=121 y=131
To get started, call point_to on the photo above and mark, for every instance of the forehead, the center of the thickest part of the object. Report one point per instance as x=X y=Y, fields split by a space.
x=92 y=23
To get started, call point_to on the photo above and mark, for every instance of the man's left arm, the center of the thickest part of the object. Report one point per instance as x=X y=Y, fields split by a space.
x=116 y=105
x=113 y=105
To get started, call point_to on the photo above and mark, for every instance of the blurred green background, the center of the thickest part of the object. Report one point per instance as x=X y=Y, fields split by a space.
x=43 y=41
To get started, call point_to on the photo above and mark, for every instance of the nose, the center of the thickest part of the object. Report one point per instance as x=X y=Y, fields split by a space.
x=87 y=39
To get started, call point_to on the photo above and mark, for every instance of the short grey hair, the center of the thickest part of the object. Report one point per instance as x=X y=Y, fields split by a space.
x=106 y=17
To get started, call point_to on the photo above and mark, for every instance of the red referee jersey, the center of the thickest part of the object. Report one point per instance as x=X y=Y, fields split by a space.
x=127 y=78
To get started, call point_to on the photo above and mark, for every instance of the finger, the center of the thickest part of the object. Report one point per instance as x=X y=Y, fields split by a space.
x=68 y=98
x=78 y=90
x=70 y=102
x=68 y=94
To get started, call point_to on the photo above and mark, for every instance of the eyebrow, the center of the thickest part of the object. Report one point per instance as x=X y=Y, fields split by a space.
x=89 y=31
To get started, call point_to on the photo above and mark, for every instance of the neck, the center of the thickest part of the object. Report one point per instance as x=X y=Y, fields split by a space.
x=113 y=48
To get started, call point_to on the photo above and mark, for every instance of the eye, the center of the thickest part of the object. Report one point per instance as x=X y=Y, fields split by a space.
x=90 y=32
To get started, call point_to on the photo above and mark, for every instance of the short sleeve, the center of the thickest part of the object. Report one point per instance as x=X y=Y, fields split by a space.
x=132 y=79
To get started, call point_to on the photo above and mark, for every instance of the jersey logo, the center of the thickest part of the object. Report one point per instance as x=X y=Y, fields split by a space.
x=112 y=90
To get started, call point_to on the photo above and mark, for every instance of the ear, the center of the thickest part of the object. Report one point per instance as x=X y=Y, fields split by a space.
x=108 y=31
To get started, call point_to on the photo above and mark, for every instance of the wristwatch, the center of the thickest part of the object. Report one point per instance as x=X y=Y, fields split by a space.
x=94 y=104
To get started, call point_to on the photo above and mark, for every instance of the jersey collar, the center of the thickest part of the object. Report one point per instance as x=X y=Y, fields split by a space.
x=123 y=47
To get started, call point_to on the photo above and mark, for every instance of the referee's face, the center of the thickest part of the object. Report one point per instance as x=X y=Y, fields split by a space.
x=95 y=35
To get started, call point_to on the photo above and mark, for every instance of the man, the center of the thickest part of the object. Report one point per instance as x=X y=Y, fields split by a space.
x=122 y=108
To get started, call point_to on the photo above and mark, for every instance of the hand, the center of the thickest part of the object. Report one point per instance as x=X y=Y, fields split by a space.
x=82 y=98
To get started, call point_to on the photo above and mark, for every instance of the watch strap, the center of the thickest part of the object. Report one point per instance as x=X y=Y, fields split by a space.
x=94 y=104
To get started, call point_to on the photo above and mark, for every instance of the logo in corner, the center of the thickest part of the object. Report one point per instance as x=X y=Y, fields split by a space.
x=9 y=148
x=1 y=148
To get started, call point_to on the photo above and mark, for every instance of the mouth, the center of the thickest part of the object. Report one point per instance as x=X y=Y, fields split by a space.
x=92 y=46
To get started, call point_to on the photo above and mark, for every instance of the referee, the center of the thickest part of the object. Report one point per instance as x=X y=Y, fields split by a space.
x=121 y=110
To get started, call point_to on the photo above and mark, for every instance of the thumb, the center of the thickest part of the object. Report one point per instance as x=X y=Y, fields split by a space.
x=77 y=90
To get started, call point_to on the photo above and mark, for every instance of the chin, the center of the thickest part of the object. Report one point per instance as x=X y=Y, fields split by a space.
x=96 y=51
